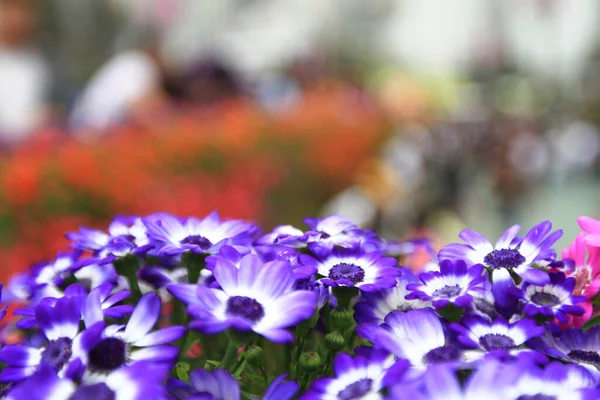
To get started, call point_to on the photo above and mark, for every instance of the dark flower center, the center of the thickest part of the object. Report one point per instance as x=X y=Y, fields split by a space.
x=504 y=258
x=496 y=341
x=108 y=355
x=325 y=235
x=356 y=390
x=545 y=299
x=197 y=240
x=538 y=396
x=585 y=356
x=98 y=391
x=57 y=353
x=348 y=272
x=245 y=307
x=447 y=292
x=441 y=354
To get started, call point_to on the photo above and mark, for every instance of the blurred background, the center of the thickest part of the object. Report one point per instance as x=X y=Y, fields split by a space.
x=409 y=117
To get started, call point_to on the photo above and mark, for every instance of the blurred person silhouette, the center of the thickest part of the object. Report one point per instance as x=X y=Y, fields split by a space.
x=210 y=81
x=24 y=74
x=127 y=82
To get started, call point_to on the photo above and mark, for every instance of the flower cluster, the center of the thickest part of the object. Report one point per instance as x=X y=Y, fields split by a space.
x=166 y=307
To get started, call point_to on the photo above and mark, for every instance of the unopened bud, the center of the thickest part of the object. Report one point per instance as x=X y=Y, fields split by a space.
x=334 y=341
x=341 y=319
x=310 y=361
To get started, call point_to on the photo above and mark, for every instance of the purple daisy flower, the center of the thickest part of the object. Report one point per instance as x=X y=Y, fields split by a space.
x=59 y=321
x=140 y=381
x=363 y=377
x=554 y=381
x=415 y=335
x=575 y=346
x=112 y=348
x=218 y=384
x=125 y=235
x=55 y=272
x=552 y=299
x=373 y=307
x=104 y=292
x=490 y=381
x=335 y=230
x=257 y=297
x=453 y=283
x=284 y=235
x=173 y=236
x=511 y=254
x=475 y=332
x=353 y=267
x=498 y=381
x=96 y=274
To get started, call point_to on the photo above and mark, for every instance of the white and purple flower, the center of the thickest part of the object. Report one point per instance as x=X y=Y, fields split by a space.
x=66 y=348
x=173 y=236
x=257 y=296
x=475 y=332
x=140 y=381
x=125 y=235
x=554 y=299
x=353 y=267
x=373 y=307
x=453 y=283
x=218 y=384
x=363 y=377
x=417 y=336
x=120 y=345
x=511 y=254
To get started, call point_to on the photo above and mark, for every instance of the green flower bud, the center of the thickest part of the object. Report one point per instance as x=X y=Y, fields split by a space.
x=334 y=341
x=310 y=361
x=341 y=319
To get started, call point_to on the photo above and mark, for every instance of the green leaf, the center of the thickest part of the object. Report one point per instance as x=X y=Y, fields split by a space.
x=182 y=370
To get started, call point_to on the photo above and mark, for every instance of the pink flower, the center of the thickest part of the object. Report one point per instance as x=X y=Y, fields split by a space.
x=585 y=253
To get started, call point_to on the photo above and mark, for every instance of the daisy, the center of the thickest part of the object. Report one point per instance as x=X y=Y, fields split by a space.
x=363 y=377
x=510 y=255
x=125 y=235
x=554 y=299
x=173 y=236
x=373 y=307
x=415 y=335
x=120 y=345
x=475 y=332
x=353 y=267
x=453 y=283
x=140 y=381
x=59 y=321
x=258 y=297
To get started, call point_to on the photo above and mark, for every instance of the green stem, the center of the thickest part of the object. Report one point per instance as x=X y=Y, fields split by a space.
x=264 y=373
x=194 y=263
x=299 y=350
x=304 y=383
x=230 y=357
x=328 y=362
